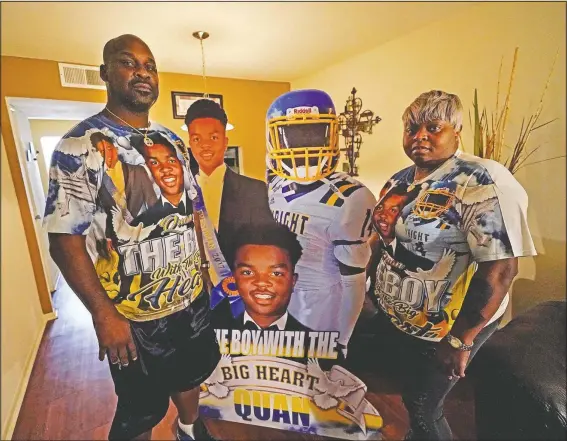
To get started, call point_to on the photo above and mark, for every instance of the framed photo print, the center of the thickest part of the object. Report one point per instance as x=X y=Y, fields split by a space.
x=232 y=158
x=181 y=101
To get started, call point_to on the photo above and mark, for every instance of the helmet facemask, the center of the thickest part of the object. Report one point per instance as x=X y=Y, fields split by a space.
x=303 y=147
x=433 y=203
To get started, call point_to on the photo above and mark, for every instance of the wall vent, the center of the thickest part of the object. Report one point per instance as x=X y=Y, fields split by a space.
x=76 y=75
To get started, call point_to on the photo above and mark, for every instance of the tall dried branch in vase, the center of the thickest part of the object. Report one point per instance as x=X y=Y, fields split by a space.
x=490 y=128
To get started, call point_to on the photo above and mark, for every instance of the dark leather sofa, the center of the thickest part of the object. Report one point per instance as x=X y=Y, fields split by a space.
x=519 y=378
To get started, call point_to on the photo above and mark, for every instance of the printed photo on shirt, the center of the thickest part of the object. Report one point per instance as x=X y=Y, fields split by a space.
x=433 y=232
x=129 y=194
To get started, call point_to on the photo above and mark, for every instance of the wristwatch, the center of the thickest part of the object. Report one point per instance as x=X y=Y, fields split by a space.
x=458 y=344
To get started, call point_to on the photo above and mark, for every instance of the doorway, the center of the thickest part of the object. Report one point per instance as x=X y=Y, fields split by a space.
x=33 y=119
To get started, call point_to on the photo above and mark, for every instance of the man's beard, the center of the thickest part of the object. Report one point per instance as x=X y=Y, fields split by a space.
x=135 y=102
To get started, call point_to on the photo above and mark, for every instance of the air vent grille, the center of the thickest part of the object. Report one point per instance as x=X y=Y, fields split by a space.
x=76 y=75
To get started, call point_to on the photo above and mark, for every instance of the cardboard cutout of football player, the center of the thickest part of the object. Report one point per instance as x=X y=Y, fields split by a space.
x=328 y=210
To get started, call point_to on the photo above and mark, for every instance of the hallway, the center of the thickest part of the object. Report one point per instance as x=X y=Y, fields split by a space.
x=70 y=394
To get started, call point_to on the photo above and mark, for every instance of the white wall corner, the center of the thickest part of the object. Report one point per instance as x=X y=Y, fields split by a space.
x=12 y=419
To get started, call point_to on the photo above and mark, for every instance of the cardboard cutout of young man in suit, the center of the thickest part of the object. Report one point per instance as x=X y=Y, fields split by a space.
x=231 y=200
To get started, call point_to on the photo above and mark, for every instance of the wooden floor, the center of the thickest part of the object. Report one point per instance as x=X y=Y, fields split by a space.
x=71 y=395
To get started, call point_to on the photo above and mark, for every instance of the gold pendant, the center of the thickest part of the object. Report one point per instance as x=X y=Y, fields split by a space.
x=148 y=141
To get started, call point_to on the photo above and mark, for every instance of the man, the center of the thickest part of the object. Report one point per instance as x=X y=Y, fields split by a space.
x=263 y=265
x=470 y=219
x=231 y=200
x=329 y=211
x=154 y=329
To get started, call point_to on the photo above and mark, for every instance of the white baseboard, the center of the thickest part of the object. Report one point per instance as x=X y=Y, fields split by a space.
x=15 y=412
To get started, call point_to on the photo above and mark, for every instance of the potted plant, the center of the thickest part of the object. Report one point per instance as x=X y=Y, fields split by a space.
x=490 y=128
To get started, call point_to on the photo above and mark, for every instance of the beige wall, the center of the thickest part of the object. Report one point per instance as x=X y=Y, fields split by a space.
x=245 y=101
x=458 y=54
x=22 y=319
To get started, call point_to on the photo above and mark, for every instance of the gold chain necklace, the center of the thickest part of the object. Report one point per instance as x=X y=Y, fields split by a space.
x=147 y=140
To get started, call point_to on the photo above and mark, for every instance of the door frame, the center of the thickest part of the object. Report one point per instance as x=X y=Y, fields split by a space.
x=35 y=108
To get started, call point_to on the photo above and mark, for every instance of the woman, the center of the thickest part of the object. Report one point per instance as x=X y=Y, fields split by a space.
x=449 y=231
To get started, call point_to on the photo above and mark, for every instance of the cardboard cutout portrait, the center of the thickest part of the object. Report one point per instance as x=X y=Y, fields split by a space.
x=288 y=375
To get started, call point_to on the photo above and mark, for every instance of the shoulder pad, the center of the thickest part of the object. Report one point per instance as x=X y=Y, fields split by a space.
x=340 y=188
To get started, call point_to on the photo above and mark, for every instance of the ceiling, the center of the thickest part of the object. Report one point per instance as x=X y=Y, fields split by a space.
x=35 y=108
x=251 y=40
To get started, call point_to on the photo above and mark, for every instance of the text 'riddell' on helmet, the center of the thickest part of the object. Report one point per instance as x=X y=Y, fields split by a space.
x=302 y=136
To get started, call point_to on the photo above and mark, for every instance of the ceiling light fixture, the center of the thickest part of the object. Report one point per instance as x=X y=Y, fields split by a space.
x=203 y=35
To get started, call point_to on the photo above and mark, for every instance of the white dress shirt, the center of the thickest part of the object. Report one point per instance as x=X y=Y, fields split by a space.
x=212 y=186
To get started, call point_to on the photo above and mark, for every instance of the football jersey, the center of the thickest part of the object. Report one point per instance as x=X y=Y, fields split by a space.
x=143 y=246
x=435 y=230
x=331 y=217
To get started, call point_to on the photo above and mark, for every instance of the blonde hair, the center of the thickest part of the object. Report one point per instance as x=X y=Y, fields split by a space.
x=435 y=105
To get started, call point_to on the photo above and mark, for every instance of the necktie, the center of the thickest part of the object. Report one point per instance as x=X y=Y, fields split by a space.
x=389 y=250
x=250 y=325
x=170 y=209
